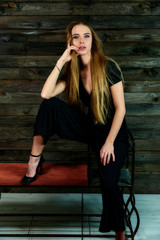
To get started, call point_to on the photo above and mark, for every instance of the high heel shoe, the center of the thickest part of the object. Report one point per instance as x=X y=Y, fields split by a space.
x=28 y=180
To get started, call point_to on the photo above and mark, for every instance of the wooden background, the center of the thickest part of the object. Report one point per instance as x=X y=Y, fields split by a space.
x=31 y=41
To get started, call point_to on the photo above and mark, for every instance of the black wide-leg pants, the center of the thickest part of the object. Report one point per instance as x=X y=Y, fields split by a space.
x=56 y=116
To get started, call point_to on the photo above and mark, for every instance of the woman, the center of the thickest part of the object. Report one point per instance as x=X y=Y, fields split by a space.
x=94 y=113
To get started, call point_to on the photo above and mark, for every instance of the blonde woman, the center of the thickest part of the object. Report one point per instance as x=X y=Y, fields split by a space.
x=95 y=113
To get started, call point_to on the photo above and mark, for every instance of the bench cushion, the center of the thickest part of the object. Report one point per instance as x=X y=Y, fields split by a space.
x=53 y=174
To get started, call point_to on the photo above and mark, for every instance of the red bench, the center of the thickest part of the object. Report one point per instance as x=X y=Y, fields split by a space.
x=75 y=178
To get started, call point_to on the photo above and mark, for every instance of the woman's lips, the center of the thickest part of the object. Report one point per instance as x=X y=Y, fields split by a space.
x=82 y=48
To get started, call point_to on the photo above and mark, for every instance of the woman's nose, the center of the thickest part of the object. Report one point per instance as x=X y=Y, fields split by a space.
x=81 y=40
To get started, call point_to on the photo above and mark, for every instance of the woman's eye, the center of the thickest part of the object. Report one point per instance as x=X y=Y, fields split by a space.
x=87 y=36
x=75 y=37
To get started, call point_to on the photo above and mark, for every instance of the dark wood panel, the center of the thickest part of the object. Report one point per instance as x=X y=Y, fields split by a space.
x=134 y=73
x=133 y=122
x=109 y=35
x=141 y=158
x=147 y=182
x=143 y=109
x=142 y=86
x=140 y=98
x=28 y=61
x=147 y=145
x=143 y=161
x=52 y=156
x=32 y=48
x=143 y=133
x=27 y=132
x=54 y=48
x=12 y=133
x=23 y=121
x=147 y=157
x=60 y=22
x=25 y=73
x=147 y=177
x=16 y=132
x=150 y=188
x=74 y=8
x=148 y=122
x=20 y=97
x=65 y=1
x=49 y=61
x=32 y=97
x=25 y=98
x=32 y=86
x=36 y=86
x=18 y=110
x=52 y=145
x=147 y=167
x=26 y=110
x=27 y=36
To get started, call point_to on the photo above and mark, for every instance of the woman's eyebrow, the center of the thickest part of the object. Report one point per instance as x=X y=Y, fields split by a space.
x=79 y=34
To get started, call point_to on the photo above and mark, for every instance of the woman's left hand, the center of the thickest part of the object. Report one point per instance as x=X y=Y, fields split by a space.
x=106 y=152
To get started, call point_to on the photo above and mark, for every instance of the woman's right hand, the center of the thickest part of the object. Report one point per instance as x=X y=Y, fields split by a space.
x=66 y=56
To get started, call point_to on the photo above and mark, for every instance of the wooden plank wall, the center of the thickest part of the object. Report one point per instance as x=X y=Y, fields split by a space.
x=32 y=39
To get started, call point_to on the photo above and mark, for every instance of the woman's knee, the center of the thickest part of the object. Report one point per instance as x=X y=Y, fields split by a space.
x=51 y=104
x=50 y=101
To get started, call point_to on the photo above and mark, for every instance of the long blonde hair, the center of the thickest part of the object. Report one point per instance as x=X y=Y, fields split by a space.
x=100 y=96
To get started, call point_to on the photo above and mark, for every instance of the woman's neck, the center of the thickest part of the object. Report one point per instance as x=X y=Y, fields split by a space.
x=85 y=62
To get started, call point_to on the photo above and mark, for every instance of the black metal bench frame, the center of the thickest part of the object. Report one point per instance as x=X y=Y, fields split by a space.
x=126 y=184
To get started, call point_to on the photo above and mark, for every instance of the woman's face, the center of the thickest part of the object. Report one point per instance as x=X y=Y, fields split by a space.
x=82 y=38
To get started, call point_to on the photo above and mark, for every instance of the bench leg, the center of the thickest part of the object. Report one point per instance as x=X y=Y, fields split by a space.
x=82 y=212
x=128 y=214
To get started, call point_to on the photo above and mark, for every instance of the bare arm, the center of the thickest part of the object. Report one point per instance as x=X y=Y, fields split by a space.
x=51 y=88
x=119 y=103
x=120 y=110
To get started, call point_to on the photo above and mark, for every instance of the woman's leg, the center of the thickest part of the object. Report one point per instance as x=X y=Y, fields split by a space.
x=56 y=116
x=37 y=148
x=113 y=212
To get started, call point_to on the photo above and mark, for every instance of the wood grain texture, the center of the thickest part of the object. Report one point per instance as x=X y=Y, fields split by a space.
x=32 y=38
x=110 y=48
x=77 y=1
x=61 y=22
x=17 y=97
x=106 y=35
x=36 y=86
x=74 y=8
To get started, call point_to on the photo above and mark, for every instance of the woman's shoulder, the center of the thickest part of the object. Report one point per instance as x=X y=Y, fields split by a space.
x=113 y=72
x=112 y=66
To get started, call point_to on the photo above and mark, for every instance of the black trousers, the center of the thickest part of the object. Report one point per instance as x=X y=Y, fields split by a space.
x=56 y=116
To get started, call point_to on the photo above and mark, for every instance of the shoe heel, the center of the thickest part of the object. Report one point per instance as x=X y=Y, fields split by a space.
x=40 y=167
x=28 y=180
